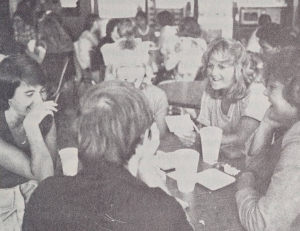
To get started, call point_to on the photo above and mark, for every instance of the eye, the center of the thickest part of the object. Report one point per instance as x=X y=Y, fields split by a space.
x=210 y=66
x=221 y=66
x=29 y=94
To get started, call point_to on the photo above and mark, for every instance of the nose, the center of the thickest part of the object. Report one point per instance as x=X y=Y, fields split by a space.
x=266 y=92
x=38 y=98
x=215 y=71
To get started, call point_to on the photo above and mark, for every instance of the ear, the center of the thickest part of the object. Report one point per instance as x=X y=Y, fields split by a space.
x=140 y=148
x=295 y=92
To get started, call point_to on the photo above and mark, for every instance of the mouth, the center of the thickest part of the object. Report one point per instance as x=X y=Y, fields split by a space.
x=215 y=79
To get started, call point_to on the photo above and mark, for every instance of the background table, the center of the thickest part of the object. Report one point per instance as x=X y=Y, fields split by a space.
x=217 y=209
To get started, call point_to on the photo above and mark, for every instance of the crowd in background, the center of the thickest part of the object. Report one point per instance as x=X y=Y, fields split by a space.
x=251 y=91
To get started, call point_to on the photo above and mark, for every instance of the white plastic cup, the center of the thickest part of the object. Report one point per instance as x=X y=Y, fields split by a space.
x=69 y=160
x=186 y=166
x=210 y=141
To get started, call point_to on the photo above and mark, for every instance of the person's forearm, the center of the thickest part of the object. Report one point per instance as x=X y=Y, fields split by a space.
x=249 y=213
x=41 y=161
x=263 y=137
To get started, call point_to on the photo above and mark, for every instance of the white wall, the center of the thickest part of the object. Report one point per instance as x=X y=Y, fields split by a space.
x=215 y=16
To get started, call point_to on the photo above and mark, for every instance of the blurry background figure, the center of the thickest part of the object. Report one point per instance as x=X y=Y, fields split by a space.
x=182 y=55
x=165 y=20
x=143 y=30
x=25 y=23
x=253 y=44
x=59 y=44
x=126 y=51
x=193 y=47
x=87 y=50
x=111 y=36
x=270 y=39
x=128 y=60
x=157 y=99
x=54 y=7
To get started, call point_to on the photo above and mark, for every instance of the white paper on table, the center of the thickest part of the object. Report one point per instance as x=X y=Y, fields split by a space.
x=179 y=123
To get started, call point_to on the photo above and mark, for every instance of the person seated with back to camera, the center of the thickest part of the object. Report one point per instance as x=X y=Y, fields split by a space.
x=132 y=65
x=181 y=53
x=118 y=187
x=127 y=45
x=28 y=150
x=231 y=100
x=135 y=74
x=112 y=35
x=268 y=190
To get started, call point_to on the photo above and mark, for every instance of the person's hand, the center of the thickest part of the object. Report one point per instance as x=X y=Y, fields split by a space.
x=38 y=113
x=246 y=180
x=150 y=174
x=267 y=120
x=188 y=138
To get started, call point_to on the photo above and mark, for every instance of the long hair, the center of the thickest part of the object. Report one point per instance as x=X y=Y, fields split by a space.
x=126 y=30
x=25 y=10
x=236 y=53
x=14 y=70
x=113 y=118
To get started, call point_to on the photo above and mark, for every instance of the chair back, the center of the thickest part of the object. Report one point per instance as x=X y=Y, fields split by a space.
x=185 y=94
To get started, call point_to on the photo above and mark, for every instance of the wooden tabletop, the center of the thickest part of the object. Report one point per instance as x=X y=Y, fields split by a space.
x=208 y=210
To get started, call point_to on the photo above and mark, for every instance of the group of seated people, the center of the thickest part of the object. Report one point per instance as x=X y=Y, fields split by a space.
x=120 y=125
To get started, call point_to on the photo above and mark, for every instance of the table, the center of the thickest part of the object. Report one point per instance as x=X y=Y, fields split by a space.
x=217 y=208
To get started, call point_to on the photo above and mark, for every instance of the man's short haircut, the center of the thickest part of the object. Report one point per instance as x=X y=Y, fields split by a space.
x=15 y=69
x=114 y=116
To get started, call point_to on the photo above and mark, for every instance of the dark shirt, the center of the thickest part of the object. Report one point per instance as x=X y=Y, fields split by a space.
x=9 y=179
x=113 y=199
x=103 y=41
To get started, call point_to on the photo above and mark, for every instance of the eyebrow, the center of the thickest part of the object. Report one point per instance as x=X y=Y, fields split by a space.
x=29 y=91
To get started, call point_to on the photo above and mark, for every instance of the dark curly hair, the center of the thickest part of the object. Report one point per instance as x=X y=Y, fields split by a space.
x=284 y=67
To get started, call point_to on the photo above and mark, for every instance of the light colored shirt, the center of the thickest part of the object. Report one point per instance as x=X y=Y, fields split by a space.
x=278 y=168
x=254 y=105
x=158 y=101
x=86 y=42
x=114 y=55
x=253 y=44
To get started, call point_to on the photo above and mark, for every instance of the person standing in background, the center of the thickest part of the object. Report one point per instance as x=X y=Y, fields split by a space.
x=87 y=48
x=253 y=44
x=111 y=36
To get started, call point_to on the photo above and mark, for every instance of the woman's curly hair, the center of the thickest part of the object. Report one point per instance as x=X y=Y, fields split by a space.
x=236 y=53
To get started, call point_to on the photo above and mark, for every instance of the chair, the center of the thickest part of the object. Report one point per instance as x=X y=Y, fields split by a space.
x=183 y=94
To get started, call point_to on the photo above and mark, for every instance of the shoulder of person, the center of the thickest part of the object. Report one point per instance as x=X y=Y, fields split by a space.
x=292 y=135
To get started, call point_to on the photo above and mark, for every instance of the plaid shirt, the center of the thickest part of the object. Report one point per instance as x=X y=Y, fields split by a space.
x=23 y=33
